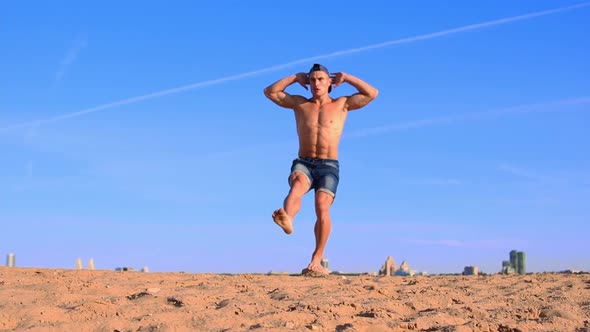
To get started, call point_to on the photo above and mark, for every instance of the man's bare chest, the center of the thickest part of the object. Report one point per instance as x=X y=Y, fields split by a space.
x=322 y=116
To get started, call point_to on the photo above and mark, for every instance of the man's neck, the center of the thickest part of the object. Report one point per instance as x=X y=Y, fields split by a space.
x=321 y=100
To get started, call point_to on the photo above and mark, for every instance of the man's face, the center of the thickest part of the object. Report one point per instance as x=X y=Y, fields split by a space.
x=319 y=82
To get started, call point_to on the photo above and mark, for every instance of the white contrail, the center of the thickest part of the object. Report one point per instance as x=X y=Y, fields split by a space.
x=447 y=119
x=296 y=62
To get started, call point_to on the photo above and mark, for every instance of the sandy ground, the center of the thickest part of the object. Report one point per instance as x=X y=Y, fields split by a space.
x=36 y=299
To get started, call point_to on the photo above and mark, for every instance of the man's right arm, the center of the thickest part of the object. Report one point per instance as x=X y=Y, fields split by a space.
x=276 y=91
x=366 y=93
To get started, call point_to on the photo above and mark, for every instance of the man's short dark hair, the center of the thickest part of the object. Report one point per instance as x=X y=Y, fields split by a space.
x=318 y=67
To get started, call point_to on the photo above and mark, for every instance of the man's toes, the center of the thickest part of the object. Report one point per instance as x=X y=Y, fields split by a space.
x=316 y=267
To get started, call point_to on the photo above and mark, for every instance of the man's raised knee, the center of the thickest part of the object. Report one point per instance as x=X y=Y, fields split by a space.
x=299 y=182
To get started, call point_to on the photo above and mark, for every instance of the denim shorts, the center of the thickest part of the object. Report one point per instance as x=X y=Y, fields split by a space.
x=322 y=174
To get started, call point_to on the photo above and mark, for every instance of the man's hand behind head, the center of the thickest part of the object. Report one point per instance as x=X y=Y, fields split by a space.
x=338 y=78
x=303 y=79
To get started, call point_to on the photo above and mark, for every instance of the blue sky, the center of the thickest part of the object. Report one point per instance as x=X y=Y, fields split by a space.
x=137 y=134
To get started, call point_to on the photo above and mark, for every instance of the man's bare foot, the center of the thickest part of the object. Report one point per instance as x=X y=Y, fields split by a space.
x=309 y=273
x=282 y=219
x=315 y=269
x=316 y=266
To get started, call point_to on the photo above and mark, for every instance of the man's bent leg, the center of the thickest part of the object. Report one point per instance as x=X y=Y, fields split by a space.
x=292 y=204
x=322 y=229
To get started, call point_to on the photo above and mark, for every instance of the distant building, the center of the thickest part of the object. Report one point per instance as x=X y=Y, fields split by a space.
x=90 y=264
x=404 y=270
x=11 y=260
x=521 y=259
x=507 y=268
x=124 y=269
x=389 y=268
x=516 y=264
x=471 y=271
x=571 y=271
x=79 y=264
x=513 y=259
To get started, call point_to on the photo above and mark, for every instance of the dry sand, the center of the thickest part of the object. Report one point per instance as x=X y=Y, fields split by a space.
x=36 y=299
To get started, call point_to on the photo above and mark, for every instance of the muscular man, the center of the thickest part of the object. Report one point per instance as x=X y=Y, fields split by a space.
x=320 y=120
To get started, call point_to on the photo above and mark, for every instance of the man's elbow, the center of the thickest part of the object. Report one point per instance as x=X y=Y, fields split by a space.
x=374 y=94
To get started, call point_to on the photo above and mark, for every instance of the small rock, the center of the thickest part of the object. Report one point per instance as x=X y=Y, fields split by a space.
x=345 y=327
x=546 y=313
x=368 y=314
x=175 y=302
x=137 y=295
x=221 y=304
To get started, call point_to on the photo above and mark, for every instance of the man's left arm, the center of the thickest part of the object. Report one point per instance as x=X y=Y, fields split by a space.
x=366 y=92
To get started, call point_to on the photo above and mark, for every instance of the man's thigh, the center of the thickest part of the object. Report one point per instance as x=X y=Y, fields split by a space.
x=326 y=179
x=300 y=176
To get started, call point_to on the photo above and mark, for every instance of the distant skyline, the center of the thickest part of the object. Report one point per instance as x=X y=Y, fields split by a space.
x=141 y=137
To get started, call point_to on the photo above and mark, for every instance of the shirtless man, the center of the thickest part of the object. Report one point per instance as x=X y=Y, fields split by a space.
x=320 y=120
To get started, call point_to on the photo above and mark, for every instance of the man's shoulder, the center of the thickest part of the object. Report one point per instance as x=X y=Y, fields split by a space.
x=339 y=101
x=299 y=99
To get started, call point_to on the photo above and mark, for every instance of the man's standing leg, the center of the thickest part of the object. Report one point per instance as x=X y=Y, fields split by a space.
x=292 y=204
x=323 y=226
